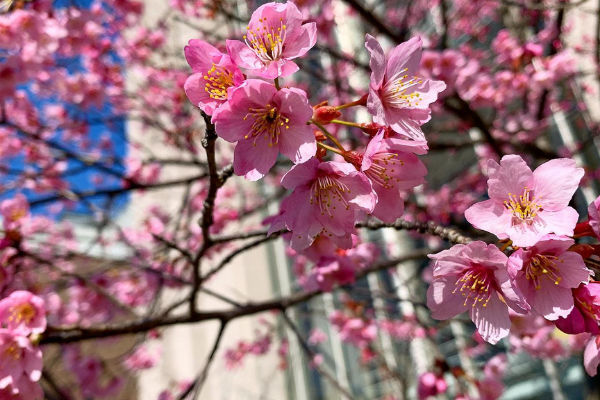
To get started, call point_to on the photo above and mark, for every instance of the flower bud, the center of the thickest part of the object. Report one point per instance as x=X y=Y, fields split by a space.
x=371 y=128
x=325 y=114
x=584 y=250
x=584 y=229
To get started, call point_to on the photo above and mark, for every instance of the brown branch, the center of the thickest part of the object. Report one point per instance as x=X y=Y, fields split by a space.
x=370 y=17
x=462 y=110
x=77 y=334
x=430 y=228
x=196 y=387
x=310 y=354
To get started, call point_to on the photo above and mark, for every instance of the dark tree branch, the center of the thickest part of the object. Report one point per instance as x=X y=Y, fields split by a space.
x=77 y=334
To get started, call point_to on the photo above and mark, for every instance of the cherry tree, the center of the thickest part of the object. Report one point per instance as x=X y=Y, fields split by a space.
x=317 y=125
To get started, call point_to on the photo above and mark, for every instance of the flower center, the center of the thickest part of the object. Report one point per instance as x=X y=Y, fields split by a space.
x=22 y=313
x=327 y=192
x=268 y=123
x=383 y=167
x=396 y=91
x=475 y=286
x=13 y=351
x=266 y=40
x=523 y=208
x=543 y=266
x=218 y=80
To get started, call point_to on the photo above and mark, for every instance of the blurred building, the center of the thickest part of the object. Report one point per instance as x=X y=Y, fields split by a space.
x=265 y=273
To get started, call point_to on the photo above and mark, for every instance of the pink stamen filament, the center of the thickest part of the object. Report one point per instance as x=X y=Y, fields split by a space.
x=217 y=81
x=543 y=266
x=395 y=91
x=378 y=172
x=474 y=286
x=268 y=123
x=523 y=208
x=267 y=41
x=21 y=313
x=325 y=191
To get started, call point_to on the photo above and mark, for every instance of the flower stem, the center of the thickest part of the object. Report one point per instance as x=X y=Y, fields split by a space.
x=323 y=145
x=346 y=123
x=329 y=135
x=277 y=83
x=360 y=102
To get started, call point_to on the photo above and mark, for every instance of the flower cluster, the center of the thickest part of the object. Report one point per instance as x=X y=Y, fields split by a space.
x=264 y=119
x=22 y=320
x=544 y=275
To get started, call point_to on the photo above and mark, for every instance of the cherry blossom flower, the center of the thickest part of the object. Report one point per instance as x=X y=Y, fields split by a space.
x=23 y=313
x=358 y=331
x=546 y=273
x=215 y=76
x=327 y=198
x=142 y=358
x=340 y=267
x=524 y=206
x=390 y=166
x=474 y=277
x=14 y=211
x=265 y=121
x=585 y=316
x=397 y=96
x=18 y=359
x=274 y=37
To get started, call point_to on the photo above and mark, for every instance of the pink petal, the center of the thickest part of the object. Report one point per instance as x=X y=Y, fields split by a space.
x=441 y=301
x=492 y=321
x=552 y=301
x=306 y=39
x=254 y=160
x=511 y=293
x=389 y=205
x=553 y=244
x=409 y=128
x=404 y=59
x=572 y=324
x=302 y=217
x=509 y=178
x=591 y=357
x=243 y=56
x=301 y=174
x=377 y=61
x=293 y=103
x=572 y=270
x=299 y=145
x=375 y=106
x=194 y=89
x=555 y=182
x=201 y=55
x=282 y=68
x=560 y=222
x=491 y=216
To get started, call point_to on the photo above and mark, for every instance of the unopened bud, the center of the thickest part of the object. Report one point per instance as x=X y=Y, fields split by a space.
x=583 y=229
x=584 y=250
x=325 y=114
x=354 y=157
x=373 y=129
